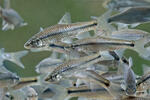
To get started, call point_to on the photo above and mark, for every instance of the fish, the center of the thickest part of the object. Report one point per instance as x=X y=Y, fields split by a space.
x=23 y=82
x=120 y=5
x=133 y=15
x=95 y=44
x=91 y=76
x=12 y=56
x=47 y=65
x=71 y=66
x=129 y=78
x=129 y=34
x=58 y=32
x=99 y=43
x=11 y=18
x=55 y=33
x=143 y=83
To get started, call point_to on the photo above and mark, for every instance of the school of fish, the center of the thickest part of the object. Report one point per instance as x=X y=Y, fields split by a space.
x=82 y=65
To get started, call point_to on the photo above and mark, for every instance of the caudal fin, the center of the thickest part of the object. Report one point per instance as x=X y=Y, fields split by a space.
x=16 y=56
x=139 y=47
x=103 y=24
x=7 y=4
x=60 y=92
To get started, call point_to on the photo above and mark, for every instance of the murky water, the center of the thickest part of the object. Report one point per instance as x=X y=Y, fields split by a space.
x=43 y=13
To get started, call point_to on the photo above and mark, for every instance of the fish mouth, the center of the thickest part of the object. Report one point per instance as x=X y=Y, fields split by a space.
x=27 y=45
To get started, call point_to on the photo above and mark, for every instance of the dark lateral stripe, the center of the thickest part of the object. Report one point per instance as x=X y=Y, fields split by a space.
x=142 y=81
x=85 y=90
x=56 y=46
x=114 y=54
x=28 y=81
x=74 y=29
x=117 y=44
x=86 y=44
x=106 y=84
x=69 y=68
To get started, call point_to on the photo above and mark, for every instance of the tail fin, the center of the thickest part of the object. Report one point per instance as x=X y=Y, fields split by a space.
x=146 y=68
x=104 y=25
x=7 y=4
x=139 y=47
x=60 y=92
x=16 y=56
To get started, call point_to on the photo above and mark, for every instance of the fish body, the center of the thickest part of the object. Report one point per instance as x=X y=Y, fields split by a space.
x=71 y=66
x=23 y=82
x=10 y=18
x=120 y=5
x=57 y=33
x=129 y=78
x=47 y=65
x=132 y=15
x=129 y=34
x=88 y=93
x=101 y=44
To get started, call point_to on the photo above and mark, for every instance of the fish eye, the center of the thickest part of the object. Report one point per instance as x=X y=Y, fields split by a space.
x=39 y=43
x=36 y=43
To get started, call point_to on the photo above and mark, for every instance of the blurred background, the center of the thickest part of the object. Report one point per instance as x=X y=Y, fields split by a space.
x=44 y=13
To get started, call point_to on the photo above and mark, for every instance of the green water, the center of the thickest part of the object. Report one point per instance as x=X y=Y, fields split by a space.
x=43 y=13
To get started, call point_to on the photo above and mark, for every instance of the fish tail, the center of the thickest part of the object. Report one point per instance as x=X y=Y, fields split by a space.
x=139 y=47
x=17 y=56
x=6 y=4
x=146 y=68
x=41 y=78
x=54 y=55
x=60 y=92
x=103 y=27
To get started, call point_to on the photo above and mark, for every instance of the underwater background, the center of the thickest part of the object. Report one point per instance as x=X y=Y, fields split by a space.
x=44 y=13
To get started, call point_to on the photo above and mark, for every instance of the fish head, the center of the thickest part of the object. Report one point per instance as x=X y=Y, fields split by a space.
x=34 y=43
x=130 y=90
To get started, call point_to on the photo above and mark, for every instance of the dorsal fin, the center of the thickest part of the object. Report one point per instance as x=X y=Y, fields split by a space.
x=41 y=29
x=66 y=19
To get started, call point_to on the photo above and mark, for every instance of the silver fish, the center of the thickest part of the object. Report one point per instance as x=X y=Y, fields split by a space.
x=12 y=56
x=120 y=5
x=129 y=34
x=57 y=33
x=129 y=78
x=71 y=66
x=95 y=44
x=47 y=65
x=132 y=15
x=23 y=82
x=11 y=19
